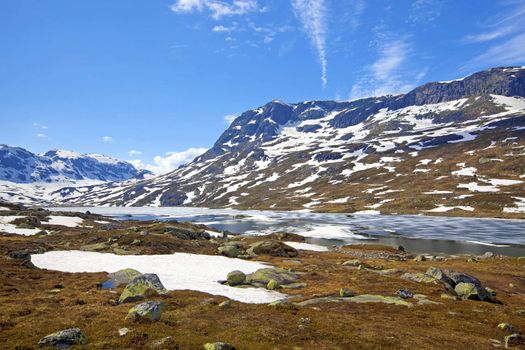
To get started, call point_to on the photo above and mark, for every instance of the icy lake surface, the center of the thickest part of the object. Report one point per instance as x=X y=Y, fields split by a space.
x=416 y=233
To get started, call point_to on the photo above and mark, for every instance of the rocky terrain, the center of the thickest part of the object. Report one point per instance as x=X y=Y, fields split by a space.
x=445 y=148
x=30 y=178
x=295 y=295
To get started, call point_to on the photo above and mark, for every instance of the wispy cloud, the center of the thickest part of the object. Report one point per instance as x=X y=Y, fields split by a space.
x=134 y=153
x=425 y=11
x=510 y=52
x=312 y=15
x=170 y=161
x=506 y=33
x=390 y=73
x=107 y=139
x=41 y=135
x=507 y=22
x=228 y=119
x=216 y=8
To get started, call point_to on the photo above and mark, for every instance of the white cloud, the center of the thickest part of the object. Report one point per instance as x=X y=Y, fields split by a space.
x=312 y=15
x=229 y=118
x=222 y=29
x=217 y=8
x=133 y=153
x=41 y=135
x=389 y=73
x=512 y=51
x=169 y=162
x=107 y=139
x=425 y=11
x=501 y=24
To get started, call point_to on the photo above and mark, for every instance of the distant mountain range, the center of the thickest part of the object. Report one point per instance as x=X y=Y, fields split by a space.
x=454 y=147
x=23 y=172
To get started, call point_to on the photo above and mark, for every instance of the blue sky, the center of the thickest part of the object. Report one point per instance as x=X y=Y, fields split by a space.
x=160 y=77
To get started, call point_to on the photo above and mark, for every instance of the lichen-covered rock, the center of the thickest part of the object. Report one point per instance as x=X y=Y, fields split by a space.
x=121 y=277
x=263 y=276
x=64 y=338
x=471 y=291
x=187 y=233
x=149 y=310
x=95 y=247
x=219 y=346
x=361 y=299
x=345 y=292
x=231 y=250
x=508 y=328
x=418 y=277
x=235 y=278
x=272 y=248
x=139 y=287
x=273 y=285
x=440 y=275
x=420 y=258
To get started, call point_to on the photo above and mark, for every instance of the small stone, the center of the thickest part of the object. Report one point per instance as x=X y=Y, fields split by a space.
x=273 y=284
x=64 y=338
x=405 y=293
x=512 y=285
x=236 y=278
x=219 y=346
x=225 y=304
x=520 y=312
x=123 y=331
x=514 y=340
x=420 y=258
x=449 y=296
x=150 y=310
x=167 y=342
x=508 y=328
x=345 y=292
x=354 y=263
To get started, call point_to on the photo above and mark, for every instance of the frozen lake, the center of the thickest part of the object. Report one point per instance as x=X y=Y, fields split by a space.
x=416 y=233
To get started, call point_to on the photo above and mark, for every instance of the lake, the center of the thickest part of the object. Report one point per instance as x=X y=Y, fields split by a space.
x=417 y=233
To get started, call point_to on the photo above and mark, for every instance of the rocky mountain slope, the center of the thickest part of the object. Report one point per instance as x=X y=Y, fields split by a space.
x=446 y=147
x=27 y=177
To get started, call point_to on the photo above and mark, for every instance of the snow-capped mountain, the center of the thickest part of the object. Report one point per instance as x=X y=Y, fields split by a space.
x=455 y=146
x=22 y=166
x=29 y=178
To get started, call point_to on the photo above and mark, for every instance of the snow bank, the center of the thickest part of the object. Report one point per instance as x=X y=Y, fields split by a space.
x=10 y=228
x=69 y=221
x=307 y=246
x=179 y=271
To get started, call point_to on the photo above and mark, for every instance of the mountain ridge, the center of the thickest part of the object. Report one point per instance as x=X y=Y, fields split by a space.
x=463 y=141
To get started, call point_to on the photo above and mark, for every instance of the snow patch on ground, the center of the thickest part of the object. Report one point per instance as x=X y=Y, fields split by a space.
x=179 y=271
x=69 y=221
x=307 y=246
x=442 y=208
x=519 y=208
x=10 y=228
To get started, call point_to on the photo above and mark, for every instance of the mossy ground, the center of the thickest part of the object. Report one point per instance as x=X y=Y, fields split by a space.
x=31 y=305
